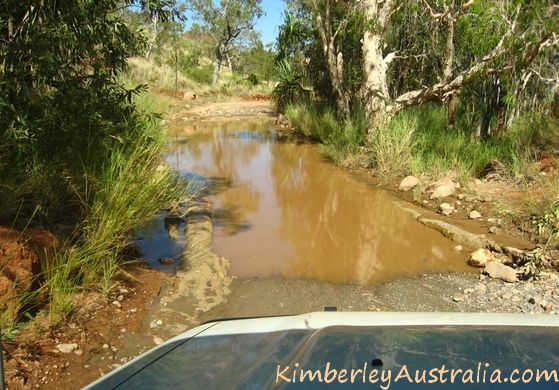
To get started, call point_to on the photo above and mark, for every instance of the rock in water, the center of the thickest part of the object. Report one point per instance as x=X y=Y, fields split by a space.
x=408 y=183
x=166 y=261
x=474 y=214
x=500 y=271
x=446 y=209
x=480 y=257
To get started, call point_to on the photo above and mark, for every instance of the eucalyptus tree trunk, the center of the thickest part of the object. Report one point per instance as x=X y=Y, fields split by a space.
x=219 y=52
x=229 y=62
x=447 y=68
x=375 y=93
x=375 y=85
x=334 y=57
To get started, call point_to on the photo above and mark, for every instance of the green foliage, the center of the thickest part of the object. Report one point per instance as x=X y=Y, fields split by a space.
x=291 y=38
x=537 y=133
x=391 y=145
x=439 y=149
x=62 y=109
x=133 y=186
x=548 y=223
x=252 y=79
x=257 y=61
x=289 y=88
x=200 y=74
x=227 y=22
x=544 y=212
x=75 y=149
x=341 y=140
x=417 y=140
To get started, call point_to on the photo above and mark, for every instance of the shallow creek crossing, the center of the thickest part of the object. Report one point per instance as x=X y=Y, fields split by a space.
x=278 y=229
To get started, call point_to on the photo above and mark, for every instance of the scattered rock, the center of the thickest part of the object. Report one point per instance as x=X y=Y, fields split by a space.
x=105 y=346
x=67 y=348
x=189 y=96
x=458 y=248
x=157 y=340
x=166 y=261
x=443 y=188
x=503 y=259
x=532 y=300
x=500 y=271
x=493 y=230
x=173 y=231
x=117 y=304
x=78 y=352
x=506 y=296
x=474 y=214
x=408 y=183
x=282 y=121
x=446 y=209
x=480 y=257
x=458 y=298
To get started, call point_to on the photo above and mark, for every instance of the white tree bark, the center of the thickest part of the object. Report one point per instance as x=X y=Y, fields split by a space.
x=333 y=55
x=375 y=94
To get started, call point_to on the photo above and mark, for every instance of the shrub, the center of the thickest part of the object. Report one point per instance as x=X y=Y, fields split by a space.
x=200 y=74
x=132 y=188
x=289 y=88
x=252 y=79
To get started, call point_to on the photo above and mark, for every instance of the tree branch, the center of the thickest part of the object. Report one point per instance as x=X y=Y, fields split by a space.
x=442 y=89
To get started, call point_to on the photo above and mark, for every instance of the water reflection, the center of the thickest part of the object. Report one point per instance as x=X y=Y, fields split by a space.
x=162 y=241
x=280 y=209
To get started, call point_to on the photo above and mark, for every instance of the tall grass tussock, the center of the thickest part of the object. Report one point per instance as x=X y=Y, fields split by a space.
x=133 y=187
x=415 y=141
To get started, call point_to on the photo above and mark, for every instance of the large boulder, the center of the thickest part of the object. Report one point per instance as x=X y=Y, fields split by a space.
x=480 y=257
x=500 y=271
x=408 y=183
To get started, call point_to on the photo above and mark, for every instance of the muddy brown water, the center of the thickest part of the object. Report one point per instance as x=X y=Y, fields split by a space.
x=281 y=210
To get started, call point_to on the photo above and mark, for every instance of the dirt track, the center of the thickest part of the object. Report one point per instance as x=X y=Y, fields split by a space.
x=152 y=307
